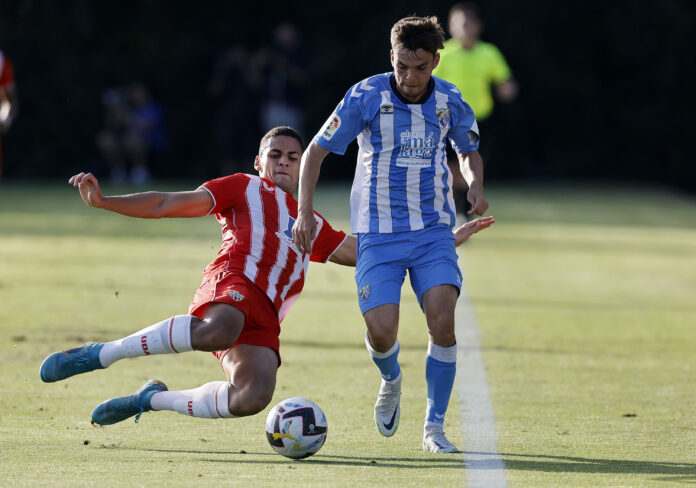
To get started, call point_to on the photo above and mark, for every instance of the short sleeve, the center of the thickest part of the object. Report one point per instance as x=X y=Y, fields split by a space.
x=344 y=124
x=326 y=242
x=464 y=134
x=226 y=191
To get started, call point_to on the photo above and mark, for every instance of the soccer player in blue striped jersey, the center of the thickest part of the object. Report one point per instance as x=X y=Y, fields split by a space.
x=402 y=209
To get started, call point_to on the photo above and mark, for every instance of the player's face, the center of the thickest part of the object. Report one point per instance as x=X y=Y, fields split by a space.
x=280 y=162
x=412 y=70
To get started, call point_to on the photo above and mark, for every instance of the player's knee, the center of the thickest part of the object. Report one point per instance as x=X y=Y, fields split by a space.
x=250 y=401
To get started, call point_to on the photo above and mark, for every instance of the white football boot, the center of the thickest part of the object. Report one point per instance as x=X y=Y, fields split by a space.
x=434 y=439
x=387 y=408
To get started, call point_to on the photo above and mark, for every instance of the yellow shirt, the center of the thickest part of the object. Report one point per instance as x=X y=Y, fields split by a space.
x=473 y=71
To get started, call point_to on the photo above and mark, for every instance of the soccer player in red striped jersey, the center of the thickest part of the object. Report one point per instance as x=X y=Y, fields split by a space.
x=245 y=293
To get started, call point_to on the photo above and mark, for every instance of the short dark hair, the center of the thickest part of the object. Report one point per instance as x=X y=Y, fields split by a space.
x=283 y=130
x=466 y=8
x=415 y=33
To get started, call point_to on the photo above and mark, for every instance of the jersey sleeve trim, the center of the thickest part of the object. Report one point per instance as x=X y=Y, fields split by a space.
x=212 y=196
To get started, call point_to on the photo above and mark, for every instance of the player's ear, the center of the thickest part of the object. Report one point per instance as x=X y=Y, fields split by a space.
x=436 y=60
x=257 y=164
x=391 y=57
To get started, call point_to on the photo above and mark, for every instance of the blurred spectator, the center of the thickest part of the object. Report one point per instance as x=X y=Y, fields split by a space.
x=134 y=134
x=280 y=70
x=474 y=67
x=9 y=104
x=235 y=111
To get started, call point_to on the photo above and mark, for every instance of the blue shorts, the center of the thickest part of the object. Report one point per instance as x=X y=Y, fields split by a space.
x=429 y=256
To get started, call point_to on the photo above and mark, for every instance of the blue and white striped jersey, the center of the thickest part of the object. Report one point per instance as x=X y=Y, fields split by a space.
x=402 y=182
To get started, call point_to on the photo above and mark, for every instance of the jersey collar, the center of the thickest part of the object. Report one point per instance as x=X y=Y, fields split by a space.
x=422 y=100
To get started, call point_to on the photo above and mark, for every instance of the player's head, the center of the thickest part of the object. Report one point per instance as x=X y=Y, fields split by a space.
x=465 y=21
x=414 y=45
x=279 y=157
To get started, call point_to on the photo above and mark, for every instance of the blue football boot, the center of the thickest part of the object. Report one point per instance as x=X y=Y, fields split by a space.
x=64 y=364
x=121 y=408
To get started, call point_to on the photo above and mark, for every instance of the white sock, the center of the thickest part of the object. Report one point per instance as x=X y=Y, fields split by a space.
x=210 y=401
x=169 y=336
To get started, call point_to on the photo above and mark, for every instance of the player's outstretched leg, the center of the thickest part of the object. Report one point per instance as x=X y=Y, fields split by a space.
x=388 y=405
x=172 y=335
x=121 y=408
x=207 y=401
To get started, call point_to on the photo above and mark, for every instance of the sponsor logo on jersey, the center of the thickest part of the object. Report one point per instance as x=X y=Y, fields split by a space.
x=443 y=117
x=387 y=108
x=236 y=296
x=286 y=236
x=365 y=293
x=190 y=408
x=415 y=151
x=267 y=187
x=332 y=126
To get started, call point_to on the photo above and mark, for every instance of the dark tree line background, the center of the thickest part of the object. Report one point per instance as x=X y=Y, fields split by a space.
x=605 y=87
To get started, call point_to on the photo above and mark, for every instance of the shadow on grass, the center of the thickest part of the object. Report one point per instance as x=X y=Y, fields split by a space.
x=430 y=462
x=685 y=472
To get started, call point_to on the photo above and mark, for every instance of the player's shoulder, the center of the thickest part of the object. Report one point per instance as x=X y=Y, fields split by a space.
x=487 y=49
x=449 y=89
x=369 y=88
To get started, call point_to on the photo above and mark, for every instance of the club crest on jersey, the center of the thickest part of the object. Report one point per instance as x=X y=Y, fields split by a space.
x=236 y=296
x=365 y=293
x=332 y=126
x=443 y=117
x=387 y=108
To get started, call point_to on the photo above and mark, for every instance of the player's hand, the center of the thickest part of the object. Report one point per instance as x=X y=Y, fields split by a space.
x=89 y=188
x=303 y=232
x=478 y=201
x=461 y=234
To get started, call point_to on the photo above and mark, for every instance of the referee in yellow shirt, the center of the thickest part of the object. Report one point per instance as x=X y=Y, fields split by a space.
x=475 y=67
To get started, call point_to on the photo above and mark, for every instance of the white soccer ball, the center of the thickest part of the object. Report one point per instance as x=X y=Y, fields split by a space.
x=296 y=428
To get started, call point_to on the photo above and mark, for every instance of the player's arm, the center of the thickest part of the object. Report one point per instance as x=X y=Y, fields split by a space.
x=146 y=205
x=347 y=252
x=471 y=166
x=305 y=227
x=506 y=90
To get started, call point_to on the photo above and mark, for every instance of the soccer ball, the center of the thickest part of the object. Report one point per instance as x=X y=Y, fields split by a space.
x=296 y=428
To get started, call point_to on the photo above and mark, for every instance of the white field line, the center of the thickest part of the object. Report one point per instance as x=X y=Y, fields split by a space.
x=484 y=466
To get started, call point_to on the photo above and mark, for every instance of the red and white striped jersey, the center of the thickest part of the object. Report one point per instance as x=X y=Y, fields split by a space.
x=257 y=218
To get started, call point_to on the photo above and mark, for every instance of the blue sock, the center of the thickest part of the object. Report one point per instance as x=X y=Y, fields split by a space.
x=387 y=362
x=440 y=368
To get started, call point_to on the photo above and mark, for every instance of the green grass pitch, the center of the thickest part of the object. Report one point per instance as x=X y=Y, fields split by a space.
x=585 y=299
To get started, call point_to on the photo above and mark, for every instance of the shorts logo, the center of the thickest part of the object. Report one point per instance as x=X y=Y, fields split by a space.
x=365 y=293
x=190 y=407
x=443 y=117
x=387 y=108
x=236 y=296
x=332 y=126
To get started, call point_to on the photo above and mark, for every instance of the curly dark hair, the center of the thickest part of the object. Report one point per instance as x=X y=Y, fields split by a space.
x=415 y=33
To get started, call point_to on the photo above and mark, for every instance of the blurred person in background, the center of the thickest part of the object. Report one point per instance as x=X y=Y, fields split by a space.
x=134 y=134
x=280 y=71
x=476 y=68
x=9 y=103
x=235 y=111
